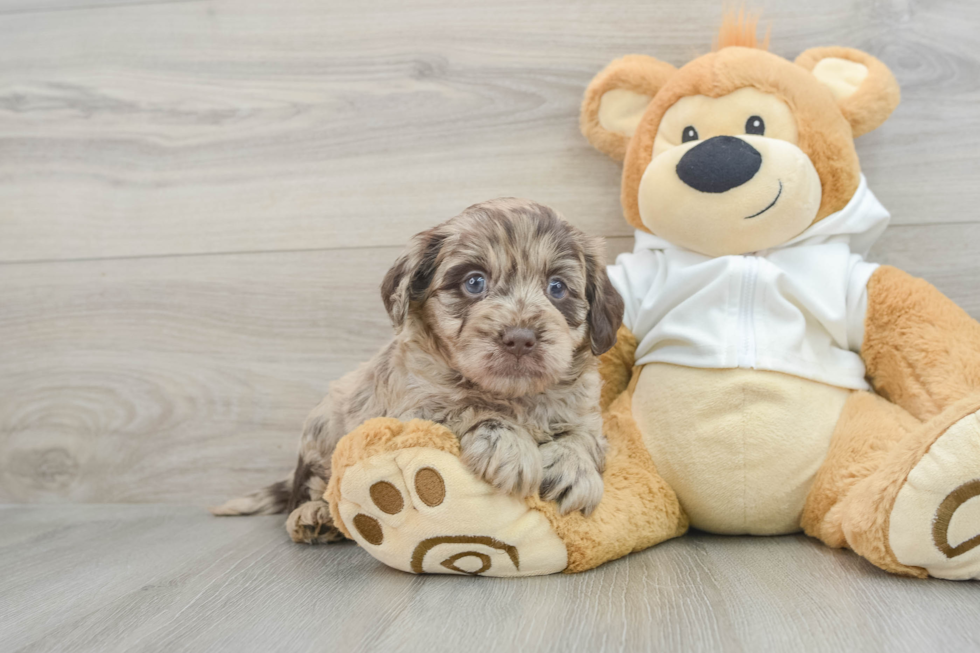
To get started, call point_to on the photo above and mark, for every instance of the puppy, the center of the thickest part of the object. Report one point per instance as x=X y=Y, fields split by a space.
x=499 y=314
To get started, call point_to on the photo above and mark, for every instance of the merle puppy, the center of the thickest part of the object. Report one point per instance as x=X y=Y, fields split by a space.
x=499 y=315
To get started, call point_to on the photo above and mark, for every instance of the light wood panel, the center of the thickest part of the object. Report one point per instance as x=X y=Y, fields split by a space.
x=158 y=578
x=239 y=125
x=183 y=379
x=41 y=6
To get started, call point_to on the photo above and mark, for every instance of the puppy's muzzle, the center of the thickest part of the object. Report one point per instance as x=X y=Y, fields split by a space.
x=719 y=164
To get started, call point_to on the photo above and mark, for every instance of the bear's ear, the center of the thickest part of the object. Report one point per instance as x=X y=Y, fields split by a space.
x=865 y=90
x=616 y=99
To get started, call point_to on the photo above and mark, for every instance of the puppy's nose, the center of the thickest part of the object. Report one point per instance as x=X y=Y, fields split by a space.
x=719 y=164
x=519 y=341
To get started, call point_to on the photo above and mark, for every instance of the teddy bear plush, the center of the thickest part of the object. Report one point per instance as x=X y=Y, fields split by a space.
x=767 y=379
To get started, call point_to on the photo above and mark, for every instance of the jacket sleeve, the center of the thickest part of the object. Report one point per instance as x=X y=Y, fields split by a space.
x=632 y=276
x=859 y=274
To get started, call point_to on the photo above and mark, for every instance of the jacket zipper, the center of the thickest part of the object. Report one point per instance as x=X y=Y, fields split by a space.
x=746 y=310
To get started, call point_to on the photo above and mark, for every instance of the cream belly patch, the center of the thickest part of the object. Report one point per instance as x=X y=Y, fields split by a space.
x=739 y=447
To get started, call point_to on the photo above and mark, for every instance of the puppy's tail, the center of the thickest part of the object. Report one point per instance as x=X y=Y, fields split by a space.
x=270 y=500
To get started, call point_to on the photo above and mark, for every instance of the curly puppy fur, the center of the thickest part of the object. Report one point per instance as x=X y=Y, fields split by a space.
x=525 y=407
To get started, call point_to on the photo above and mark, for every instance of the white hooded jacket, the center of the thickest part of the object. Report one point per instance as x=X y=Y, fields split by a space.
x=797 y=308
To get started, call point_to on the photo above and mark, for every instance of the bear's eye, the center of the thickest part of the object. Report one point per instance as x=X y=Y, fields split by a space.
x=755 y=125
x=689 y=134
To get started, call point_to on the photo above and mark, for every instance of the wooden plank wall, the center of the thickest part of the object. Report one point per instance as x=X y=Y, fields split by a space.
x=198 y=199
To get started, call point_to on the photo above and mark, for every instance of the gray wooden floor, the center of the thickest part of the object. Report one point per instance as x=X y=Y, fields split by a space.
x=164 y=578
x=198 y=200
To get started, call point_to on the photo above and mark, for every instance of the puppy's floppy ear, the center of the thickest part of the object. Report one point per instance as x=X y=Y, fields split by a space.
x=408 y=279
x=605 y=304
x=616 y=100
x=865 y=89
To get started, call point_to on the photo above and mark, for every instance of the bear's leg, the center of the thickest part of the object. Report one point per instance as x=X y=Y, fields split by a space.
x=902 y=493
x=922 y=352
x=402 y=493
x=868 y=428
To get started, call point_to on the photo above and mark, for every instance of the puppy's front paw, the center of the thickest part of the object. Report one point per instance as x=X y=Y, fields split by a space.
x=502 y=456
x=571 y=478
x=311 y=524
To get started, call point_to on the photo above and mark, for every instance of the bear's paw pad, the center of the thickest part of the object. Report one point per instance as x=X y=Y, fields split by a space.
x=935 y=522
x=422 y=511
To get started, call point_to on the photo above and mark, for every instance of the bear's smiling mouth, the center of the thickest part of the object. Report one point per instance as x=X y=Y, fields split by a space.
x=771 y=204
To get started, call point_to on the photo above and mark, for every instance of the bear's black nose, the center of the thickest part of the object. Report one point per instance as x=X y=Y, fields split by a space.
x=719 y=164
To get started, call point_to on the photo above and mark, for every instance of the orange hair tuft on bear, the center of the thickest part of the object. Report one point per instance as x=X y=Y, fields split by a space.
x=739 y=29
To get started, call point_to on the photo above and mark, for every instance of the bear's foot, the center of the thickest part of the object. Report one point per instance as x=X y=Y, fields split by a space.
x=935 y=521
x=419 y=509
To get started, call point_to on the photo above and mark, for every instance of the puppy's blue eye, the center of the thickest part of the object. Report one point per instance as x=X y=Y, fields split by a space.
x=557 y=288
x=475 y=284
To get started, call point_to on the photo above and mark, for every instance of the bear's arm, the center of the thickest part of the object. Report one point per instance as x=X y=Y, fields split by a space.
x=921 y=350
x=616 y=366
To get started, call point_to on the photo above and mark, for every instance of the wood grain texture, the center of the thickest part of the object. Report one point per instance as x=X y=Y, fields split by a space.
x=192 y=127
x=40 y=6
x=162 y=578
x=199 y=199
x=178 y=380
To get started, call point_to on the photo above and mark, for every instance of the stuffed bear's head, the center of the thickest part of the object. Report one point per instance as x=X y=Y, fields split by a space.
x=740 y=150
